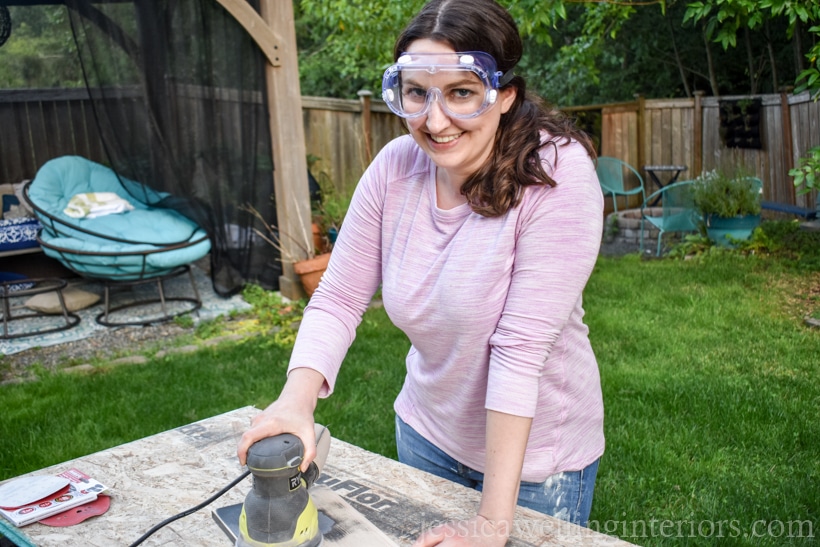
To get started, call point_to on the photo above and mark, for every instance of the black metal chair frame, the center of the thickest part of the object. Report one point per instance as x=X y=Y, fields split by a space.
x=41 y=286
x=196 y=302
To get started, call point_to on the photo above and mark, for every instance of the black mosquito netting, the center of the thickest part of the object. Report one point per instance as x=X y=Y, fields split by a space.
x=178 y=89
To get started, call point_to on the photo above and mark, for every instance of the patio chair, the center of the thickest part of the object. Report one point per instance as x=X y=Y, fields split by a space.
x=143 y=244
x=677 y=212
x=612 y=173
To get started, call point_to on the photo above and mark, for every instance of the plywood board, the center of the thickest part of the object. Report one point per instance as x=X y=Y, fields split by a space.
x=159 y=476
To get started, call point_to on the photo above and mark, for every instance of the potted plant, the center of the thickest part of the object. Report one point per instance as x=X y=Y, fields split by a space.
x=311 y=263
x=729 y=202
x=329 y=210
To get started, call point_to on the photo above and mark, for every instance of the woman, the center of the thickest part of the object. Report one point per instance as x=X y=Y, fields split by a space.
x=482 y=227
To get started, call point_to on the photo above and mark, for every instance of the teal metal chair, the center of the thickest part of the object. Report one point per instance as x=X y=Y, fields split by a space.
x=613 y=175
x=676 y=212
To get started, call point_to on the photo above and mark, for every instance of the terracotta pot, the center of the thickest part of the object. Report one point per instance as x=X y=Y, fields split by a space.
x=317 y=237
x=310 y=271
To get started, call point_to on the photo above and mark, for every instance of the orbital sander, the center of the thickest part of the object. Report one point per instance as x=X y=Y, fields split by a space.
x=278 y=510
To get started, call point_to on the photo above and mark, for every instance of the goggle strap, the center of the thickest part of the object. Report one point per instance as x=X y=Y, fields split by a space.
x=505 y=78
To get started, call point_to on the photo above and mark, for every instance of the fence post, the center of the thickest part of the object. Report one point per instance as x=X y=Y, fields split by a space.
x=697 y=129
x=641 y=132
x=364 y=97
x=788 y=150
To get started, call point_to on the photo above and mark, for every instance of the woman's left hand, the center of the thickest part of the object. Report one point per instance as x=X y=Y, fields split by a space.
x=476 y=532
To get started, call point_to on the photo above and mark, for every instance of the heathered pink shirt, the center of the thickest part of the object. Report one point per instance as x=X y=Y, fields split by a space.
x=492 y=306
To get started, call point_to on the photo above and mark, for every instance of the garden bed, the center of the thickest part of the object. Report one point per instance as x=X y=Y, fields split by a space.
x=624 y=227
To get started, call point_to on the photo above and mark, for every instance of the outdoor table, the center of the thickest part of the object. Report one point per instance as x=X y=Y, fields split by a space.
x=152 y=479
x=654 y=170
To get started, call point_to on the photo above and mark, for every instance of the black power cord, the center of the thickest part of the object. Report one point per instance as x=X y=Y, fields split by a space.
x=208 y=501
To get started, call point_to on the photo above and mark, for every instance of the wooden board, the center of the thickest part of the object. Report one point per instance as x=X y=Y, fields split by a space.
x=340 y=524
x=159 y=476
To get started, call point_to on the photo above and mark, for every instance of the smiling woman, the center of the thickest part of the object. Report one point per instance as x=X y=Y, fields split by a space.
x=481 y=227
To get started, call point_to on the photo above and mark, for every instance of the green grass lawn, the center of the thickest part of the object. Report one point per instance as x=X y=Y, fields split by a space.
x=710 y=381
x=711 y=397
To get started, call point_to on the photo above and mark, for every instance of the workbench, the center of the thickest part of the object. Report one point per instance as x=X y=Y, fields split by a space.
x=160 y=476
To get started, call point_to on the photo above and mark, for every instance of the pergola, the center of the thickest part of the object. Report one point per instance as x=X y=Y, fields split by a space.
x=272 y=29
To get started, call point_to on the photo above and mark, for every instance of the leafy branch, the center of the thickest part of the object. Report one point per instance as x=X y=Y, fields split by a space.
x=273 y=236
x=807 y=172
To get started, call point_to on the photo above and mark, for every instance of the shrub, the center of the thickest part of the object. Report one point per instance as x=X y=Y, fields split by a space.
x=726 y=194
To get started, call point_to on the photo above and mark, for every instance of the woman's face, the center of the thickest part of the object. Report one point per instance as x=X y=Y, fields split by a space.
x=458 y=146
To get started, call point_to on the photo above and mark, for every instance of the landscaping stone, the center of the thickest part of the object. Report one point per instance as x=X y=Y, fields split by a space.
x=181 y=349
x=84 y=368
x=811 y=226
x=225 y=338
x=17 y=380
x=130 y=360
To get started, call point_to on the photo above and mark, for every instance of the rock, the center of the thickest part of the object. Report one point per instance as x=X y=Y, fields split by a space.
x=84 y=368
x=181 y=349
x=226 y=338
x=130 y=360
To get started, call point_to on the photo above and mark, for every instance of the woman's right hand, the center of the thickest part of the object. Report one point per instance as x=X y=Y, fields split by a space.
x=292 y=413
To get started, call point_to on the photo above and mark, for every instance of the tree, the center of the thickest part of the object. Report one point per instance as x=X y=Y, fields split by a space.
x=602 y=51
x=727 y=17
x=345 y=46
x=40 y=51
x=575 y=52
x=723 y=20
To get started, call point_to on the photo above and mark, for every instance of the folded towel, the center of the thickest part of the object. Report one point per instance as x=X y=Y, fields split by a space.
x=96 y=204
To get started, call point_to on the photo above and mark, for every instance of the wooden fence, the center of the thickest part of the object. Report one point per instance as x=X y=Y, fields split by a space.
x=689 y=132
x=37 y=125
x=342 y=136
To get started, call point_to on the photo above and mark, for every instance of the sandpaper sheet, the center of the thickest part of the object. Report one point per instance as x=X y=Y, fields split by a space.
x=340 y=524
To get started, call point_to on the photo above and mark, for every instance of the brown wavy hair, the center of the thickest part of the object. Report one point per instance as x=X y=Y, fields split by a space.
x=483 y=25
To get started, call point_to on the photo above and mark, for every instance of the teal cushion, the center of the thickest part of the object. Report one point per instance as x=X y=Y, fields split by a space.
x=60 y=179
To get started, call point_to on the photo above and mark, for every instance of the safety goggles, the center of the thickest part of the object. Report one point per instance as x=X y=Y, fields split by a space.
x=465 y=84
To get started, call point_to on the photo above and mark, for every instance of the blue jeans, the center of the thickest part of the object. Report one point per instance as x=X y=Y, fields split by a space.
x=566 y=495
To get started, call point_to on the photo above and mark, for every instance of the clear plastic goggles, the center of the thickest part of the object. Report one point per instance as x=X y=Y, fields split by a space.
x=465 y=84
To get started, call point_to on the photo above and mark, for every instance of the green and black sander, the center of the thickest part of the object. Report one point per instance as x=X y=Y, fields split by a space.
x=278 y=511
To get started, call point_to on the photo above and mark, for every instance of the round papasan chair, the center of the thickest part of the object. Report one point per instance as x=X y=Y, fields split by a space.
x=132 y=244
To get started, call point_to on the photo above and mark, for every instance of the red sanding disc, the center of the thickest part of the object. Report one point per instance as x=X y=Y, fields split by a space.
x=76 y=515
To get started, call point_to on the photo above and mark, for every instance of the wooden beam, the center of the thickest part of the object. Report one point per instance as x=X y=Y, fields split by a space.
x=266 y=36
x=288 y=140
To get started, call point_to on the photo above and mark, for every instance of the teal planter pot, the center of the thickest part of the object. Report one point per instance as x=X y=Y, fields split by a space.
x=723 y=230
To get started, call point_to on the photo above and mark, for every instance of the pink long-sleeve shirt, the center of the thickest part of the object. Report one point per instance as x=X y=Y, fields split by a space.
x=492 y=306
